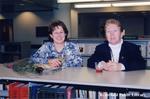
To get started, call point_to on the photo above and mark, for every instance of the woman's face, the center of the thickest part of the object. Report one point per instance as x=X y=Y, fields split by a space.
x=58 y=35
x=113 y=33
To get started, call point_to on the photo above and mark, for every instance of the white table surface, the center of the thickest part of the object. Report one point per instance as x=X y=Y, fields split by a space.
x=85 y=76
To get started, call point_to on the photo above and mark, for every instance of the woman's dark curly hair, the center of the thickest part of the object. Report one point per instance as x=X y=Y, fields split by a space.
x=55 y=24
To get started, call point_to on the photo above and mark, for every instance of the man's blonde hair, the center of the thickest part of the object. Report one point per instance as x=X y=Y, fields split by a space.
x=114 y=21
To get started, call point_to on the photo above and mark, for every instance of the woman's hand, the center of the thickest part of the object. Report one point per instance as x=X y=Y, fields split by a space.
x=54 y=62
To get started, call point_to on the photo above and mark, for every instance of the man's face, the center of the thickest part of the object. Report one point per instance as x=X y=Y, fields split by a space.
x=113 y=33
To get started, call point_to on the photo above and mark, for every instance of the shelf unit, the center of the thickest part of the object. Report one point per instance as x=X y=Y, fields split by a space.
x=85 y=80
x=88 y=48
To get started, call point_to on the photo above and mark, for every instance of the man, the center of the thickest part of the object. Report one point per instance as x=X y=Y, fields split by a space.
x=115 y=54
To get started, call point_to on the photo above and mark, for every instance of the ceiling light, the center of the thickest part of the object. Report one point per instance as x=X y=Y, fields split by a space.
x=75 y=1
x=121 y=4
x=92 y=5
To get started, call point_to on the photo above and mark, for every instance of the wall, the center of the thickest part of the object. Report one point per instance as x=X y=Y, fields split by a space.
x=134 y=25
x=24 y=23
x=90 y=24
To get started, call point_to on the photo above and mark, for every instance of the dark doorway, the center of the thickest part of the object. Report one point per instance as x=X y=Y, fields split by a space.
x=6 y=30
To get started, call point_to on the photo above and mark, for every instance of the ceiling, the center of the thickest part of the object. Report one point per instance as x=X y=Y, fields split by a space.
x=122 y=14
x=9 y=6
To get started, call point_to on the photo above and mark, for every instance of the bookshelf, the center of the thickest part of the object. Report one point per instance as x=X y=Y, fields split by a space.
x=11 y=51
x=87 y=84
x=87 y=48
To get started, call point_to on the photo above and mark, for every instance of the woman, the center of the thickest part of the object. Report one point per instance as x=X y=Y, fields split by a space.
x=115 y=54
x=58 y=52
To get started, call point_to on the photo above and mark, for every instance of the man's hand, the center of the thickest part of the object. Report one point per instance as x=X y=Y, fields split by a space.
x=112 y=66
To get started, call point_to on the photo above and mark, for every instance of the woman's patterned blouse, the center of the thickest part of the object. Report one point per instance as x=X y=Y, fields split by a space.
x=70 y=53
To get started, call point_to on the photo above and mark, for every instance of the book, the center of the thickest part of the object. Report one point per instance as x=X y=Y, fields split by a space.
x=3 y=93
x=33 y=89
x=47 y=92
x=1 y=86
x=61 y=92
x=55 y=92
x=16 y=90
x=24 y=92
x=11 y=90
x=70 y=93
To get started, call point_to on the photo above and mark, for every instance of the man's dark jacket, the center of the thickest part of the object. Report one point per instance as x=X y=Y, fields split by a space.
x=130 y=56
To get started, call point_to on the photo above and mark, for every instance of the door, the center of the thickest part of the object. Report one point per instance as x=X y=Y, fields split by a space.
x=6 y=30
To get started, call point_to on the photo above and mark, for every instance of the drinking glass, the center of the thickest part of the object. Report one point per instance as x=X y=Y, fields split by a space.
x=61 y=58
x=97 y=68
